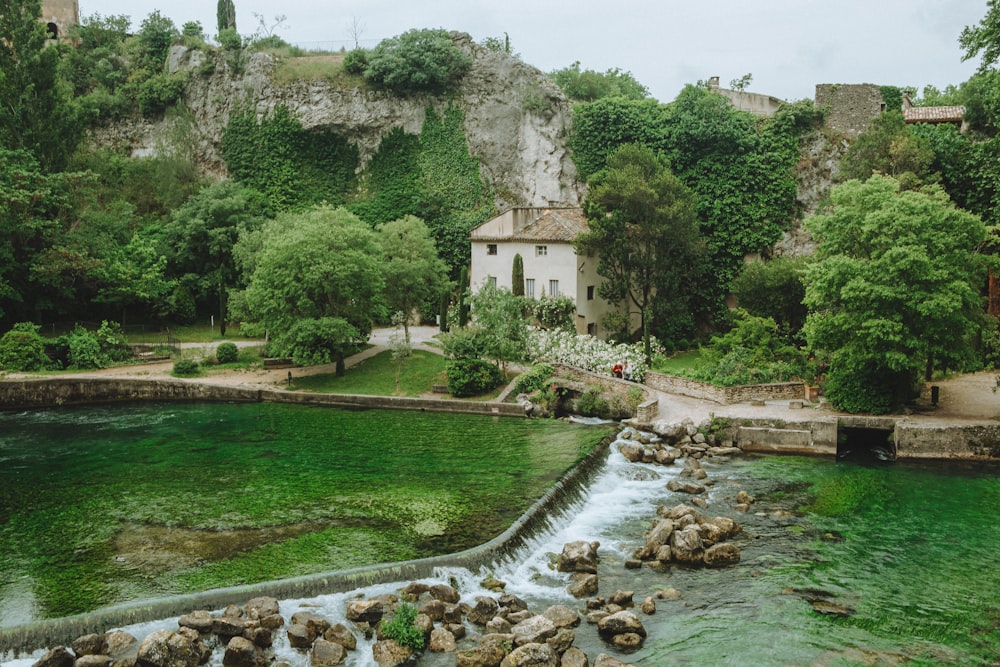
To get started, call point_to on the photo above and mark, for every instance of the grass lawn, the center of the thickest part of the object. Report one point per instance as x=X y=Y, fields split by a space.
x=186 y=333
x=679 y=361
x=377 y=376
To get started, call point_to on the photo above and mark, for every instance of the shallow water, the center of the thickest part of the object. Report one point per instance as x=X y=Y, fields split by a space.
x=909 y=552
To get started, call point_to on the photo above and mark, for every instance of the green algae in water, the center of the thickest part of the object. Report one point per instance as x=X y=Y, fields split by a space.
x=104 y=505
x=913 y=549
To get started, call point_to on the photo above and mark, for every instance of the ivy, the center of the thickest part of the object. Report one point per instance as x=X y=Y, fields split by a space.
x=294 y=168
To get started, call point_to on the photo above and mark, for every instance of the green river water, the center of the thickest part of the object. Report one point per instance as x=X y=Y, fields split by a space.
x=842 y=563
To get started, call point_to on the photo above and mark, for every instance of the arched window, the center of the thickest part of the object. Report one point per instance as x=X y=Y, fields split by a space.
x=53 y=30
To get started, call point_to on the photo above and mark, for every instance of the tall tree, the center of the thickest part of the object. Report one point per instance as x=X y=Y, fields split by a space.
x=983 y=38
x=499 y=326
x=36 y=110
x=315 y=283
x=413 y=272
x=643 y=229
x=225 y=15
x=517 y=276
x=894 y=290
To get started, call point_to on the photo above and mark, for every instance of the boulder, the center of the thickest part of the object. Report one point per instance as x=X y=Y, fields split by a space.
x=122 y=647
x=686 y=546
x=491 y=583
x=562 y=640
x=413 y=590
x=621 y=623
x=727 y=525
x=534 y=630
x=632 y=451
x=199 y=620
x=272 y=622
x=574 y=657
x=315 y=624
x=659 y=535
x=583 y=585
x=339 y=634
x=512 y=603
x=164 y=648
x=262 y=637
x=326 y=653
x=241 y=652
x=488 y=654
x=389 y=653
x=367 y=611
x=60 y=656
x=622 y=599
x=685 y=487
x=562 y=616
x=648 y=605
x=445 y=593
x=228 y=626
x=434 y=609
x=299 y=636
x=498 y=625
x=627 y=641
x=721 y=555
x=485 y=609
x=92 y=644
x=93 y=660
x=531 y=655
x=579 y=556
x=442 y=641
x=605 y=660
x=258 y=608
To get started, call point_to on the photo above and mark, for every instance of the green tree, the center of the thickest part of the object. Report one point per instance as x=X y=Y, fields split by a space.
x=418 y=61
x=315 y=283
x=501 y=331
x=153 y=41
x=36 y=110
x=588 y=85
x=199 y=241
x=643 y=229
x=888 y=147
x=893 y=291
x=411 y=268
x=134 y=274
x=983 y=38
x=774 y=289
x=517 y=275
x=225 y=15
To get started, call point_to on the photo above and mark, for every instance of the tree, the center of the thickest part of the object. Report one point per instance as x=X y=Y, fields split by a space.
x=36 y=112
x=315 y=283
x=983 y=38
x=588 y=85
x=894 y=290
x=774 y=289
x=225 y=15
x=888 y=147
x=199 y=241
x=501 y=332
x=418 y=61
x=643 y=229
x=135 y=274
x=517 y=276
x=412 y=271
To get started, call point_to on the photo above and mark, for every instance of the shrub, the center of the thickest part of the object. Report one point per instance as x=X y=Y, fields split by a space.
x=114 y=345
x=554 y=312
x=402 y=627
x=227 y=353
x=472 y=377
x=417 y=61
x=587 y=352
x=356 y=62
x=592 y=404
x=185 y=367
x=158 y=92
x=23 y=349
x=84 y=350
x=533 y=379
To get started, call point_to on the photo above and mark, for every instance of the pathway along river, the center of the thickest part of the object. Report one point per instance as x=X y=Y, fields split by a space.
x=907 y=552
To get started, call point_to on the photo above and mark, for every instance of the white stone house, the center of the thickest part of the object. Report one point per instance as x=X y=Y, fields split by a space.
x=543 y=236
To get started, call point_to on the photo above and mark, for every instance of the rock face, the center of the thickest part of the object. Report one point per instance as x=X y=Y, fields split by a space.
x=516 y=118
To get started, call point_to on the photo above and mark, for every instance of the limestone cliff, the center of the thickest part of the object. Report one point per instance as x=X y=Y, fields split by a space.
x=516 y=119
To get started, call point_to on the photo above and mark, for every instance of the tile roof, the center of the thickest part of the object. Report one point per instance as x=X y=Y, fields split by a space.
x=934 y=114
x=551 y=224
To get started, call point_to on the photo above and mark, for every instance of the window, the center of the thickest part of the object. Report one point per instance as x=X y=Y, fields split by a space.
x=491 y=281
x=529 y=288
x=541 y=250
x=553 y=288
x=592 y=328
x=590 y=292
x=491 y=248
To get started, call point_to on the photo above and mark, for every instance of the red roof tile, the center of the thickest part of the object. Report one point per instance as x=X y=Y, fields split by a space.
x=934 y=114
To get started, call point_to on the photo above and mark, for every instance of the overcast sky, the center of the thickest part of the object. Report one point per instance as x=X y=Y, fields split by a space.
x=788 y=45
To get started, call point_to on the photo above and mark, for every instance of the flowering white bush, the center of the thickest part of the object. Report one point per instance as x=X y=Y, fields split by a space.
x=587 y=352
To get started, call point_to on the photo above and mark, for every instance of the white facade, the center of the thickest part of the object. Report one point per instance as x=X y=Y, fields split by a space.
x=544 y=239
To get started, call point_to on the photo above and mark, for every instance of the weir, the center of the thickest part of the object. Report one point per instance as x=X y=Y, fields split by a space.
x=62 y=631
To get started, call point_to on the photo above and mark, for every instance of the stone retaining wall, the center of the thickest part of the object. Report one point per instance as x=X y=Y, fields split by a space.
x=776 y=391
x=50 y=392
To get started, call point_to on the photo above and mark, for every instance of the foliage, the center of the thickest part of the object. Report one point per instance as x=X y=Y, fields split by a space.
x=356 y=62
x=230 y=40
x=472 y=377
x=600 y=127
x=592 y=403
x=586 y=352
x=554 y=312
x=156 y=34
x=186 y=368
x=227 y=353
x=774 y=289
x=84 y=350
x=588 y=85
x=293 y=168
x=23 y=349
x=134 y=274
x=315 y=283
x=983 y=38
x=160 y=91
x=461 y=343
x=753 y=352
x=498 y=45
x=37 y=114
x=402 y=627
x=418 y=61
x=499 y=321
x=411 y=269
x=533 y=379
x=225 y=15
x=894 y=289
x=889 y=147
x=643 y=230
x=112 y=340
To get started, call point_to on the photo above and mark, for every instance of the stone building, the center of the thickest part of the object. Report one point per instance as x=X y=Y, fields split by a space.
x=59 y=16
x=851 y=107
x=755 y=103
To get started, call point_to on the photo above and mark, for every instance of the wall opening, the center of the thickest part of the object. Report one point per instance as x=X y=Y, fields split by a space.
x=53 y=30
x=866 y=444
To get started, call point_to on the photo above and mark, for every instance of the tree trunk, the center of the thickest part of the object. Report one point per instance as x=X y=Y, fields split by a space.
x=341 y=367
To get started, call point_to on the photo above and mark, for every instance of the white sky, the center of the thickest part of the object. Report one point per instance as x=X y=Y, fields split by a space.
x=788 y=45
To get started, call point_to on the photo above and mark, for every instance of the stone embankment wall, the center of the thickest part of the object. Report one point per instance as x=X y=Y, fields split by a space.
x=648 y=407
x=46 y=393
x=777 y=391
